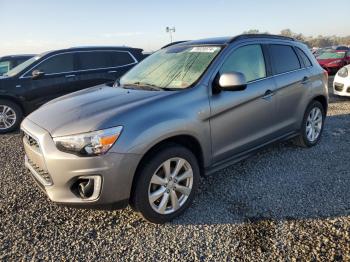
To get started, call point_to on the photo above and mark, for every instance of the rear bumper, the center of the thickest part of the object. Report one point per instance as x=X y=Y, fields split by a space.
x=57 y=172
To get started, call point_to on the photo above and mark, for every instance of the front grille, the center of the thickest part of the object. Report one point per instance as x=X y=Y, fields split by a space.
x=31 y=141
x=338 y=87
x=42 y=173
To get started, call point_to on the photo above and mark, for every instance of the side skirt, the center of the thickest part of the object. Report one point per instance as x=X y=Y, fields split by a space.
x=246 y=154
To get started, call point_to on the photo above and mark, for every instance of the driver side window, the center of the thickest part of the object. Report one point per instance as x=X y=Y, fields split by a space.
x=57 y=64
x=248 y=60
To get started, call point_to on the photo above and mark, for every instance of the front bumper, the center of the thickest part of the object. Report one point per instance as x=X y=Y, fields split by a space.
x=57 y=172
x=341 y=86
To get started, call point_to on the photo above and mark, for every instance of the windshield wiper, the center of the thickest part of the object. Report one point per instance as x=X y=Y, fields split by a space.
x=141 y=85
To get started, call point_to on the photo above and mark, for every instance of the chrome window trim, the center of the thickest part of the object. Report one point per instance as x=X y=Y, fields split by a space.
x=280 y=74
x=23 y=76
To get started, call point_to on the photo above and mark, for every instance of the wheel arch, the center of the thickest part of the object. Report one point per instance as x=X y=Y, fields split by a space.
x=187 y=141
x=13 y=100
x=323 y=100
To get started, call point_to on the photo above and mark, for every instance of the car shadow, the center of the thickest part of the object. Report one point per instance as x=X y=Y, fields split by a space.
x=282 y=182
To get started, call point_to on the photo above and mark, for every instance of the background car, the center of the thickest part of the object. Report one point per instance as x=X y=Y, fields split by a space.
x=11 y=61
x=53 y=74
x=333 y=60
x=342 y=47
x=341 y=84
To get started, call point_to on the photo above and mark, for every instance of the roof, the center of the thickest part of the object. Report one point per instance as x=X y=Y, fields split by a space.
x=86 y=48
x=102 y=47
x=230 y=39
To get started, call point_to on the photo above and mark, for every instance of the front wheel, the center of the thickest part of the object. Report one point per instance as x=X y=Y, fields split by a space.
x=166 y=184
x=312 y=126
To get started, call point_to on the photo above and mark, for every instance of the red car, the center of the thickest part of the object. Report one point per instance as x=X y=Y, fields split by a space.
x=333 y=60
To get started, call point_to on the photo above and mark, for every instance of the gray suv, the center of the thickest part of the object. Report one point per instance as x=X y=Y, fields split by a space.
x=187 y=110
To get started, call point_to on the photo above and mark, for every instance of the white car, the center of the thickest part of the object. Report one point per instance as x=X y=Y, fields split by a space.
x=341 y=84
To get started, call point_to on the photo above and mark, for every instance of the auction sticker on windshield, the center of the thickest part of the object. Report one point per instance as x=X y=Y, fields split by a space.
x=204 y=49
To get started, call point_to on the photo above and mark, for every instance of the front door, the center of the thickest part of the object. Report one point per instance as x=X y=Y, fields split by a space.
x=241 y=120
x=57 y=79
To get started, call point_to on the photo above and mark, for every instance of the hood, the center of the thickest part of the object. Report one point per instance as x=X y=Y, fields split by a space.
x=89 y=109
x=327 y=61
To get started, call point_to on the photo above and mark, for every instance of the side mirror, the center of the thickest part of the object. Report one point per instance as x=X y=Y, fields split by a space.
x=232 y=81
x=37 y=74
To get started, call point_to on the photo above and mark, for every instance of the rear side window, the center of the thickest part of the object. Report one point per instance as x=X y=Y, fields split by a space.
x=94 y=60
x=121 y=58
x=304 y=57
x=284 y=59
x=103 y=59
x=248 y=60
x=57 y=64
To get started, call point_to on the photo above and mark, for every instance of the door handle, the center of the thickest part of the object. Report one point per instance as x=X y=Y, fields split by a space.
x=269 y=93
x=69 y=76
x=112 y=72
x=305 y=80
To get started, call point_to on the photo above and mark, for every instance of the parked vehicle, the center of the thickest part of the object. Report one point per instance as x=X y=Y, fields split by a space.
x=341 y=84
x=53 y=74
x=11 y=61
x=189 y=109
x=333 y=60
x=342 y=47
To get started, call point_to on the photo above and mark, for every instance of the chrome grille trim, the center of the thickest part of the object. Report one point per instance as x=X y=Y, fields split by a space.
x=41 y=175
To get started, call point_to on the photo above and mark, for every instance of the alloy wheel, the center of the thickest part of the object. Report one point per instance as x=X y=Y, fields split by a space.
x=314 y=124
x=170 y=186
x=7 y=117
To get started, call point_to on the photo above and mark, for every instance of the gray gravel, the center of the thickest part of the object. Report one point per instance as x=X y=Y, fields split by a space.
x=285 y=203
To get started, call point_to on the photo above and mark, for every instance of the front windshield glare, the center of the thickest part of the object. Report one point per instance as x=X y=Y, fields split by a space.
x=173 y=67
x=14 y=71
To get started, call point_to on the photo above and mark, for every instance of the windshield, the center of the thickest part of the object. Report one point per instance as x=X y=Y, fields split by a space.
x=172 y=68
x=331 y=55
x=14 y=71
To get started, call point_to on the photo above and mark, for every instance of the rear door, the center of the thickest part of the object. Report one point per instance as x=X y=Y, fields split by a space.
x=241 y=120
x=100 y=67
x=58 y=79
x=291 y=78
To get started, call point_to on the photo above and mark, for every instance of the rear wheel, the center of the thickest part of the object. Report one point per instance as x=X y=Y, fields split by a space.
x=10 y=116
x=166 y=185
x=312 y=126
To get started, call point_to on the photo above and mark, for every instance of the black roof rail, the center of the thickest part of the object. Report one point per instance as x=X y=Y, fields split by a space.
x=247 y=36
x=174 y=43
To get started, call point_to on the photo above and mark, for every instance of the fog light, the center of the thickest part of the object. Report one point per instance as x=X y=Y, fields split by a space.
x=89 y=187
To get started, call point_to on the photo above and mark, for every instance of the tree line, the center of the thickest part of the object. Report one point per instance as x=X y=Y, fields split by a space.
x=318 y=41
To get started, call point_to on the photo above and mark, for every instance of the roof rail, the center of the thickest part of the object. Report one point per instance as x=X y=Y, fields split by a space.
x=247 y=36
x=101 y=46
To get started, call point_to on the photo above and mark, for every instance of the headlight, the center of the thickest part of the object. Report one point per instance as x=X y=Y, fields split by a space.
x=335 y=62
x=344 y=72
x=89 y=144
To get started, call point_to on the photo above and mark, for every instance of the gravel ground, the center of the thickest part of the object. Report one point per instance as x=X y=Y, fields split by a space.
x=285 y=203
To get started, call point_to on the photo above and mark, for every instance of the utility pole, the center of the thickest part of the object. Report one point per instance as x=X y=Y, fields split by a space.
x=170 y=31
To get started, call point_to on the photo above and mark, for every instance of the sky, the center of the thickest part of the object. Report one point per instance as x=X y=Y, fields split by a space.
x=34 y=26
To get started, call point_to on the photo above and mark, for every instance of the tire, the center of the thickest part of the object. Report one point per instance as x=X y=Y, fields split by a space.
x=11 y=111
x=304 y=140
x=144 y=190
